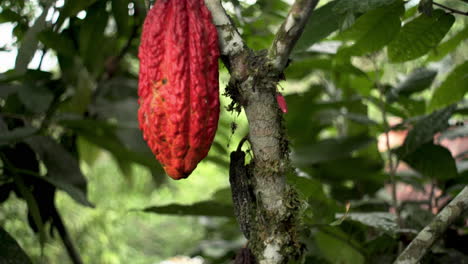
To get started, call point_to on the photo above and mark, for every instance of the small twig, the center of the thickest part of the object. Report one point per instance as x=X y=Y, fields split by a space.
x=432 y=232
x=455 y=11
x=289 y=33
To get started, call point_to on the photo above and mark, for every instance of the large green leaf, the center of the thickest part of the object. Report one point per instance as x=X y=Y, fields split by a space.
x=321 y=24
x=36 y=98
x=10 y=250
x=453 y=89
x=425 y=129
x=419 y=36
x=373 y=30
x=121 y=16
x=29 y=42
x=360 y=6
x=448 y=46
x=417 y=81
x=206 y=208
x=58 y=42
x=92 y=32
x=329 y=149
x=63 y=169
x=381 y=221
x=337 y=247
x=433 y=161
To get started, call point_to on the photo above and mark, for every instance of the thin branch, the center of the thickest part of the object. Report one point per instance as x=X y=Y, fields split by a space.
x=432 y=232
x=231 y=42
x=289 y=33
x=455 y=11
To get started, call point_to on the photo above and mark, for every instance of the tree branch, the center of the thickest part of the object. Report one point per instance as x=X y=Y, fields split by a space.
x=455 y=11
x=289 y=33
x=432 y=232
x=230 y=41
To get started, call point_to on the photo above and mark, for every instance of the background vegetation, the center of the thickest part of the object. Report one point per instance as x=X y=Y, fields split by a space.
x=75 y=170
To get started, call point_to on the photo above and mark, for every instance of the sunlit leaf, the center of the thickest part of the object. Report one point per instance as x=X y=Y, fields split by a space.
x=321 y=24
x=373 y=30
x=453 y=89
x=448 y=46
x=419 y=36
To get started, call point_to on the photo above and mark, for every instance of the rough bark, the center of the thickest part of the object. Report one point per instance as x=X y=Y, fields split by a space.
x=423 y=242
x=271 y=222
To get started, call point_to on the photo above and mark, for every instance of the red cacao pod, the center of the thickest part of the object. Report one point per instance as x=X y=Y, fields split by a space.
x=178 y=84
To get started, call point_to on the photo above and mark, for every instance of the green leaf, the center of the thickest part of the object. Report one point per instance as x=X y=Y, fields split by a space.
x=433 y=161
x=92 y=32
x=58 y=42
x=63 y=169
x=330 y=240
x=7 y=15
x=29 y=42
x=10 y=250
x=301 y=68
x=373 y=30
x=351 y=168
x=17 y=134
x=7 y=89
x=71 y=8
x=419 y=36
x=453 y=89
x=425 y=129
x=121 y=16
x=329 y=149
x=385 y=222
x=205 y=208
x=360 y=6
x=36 y=98
x=417 y=81
x=448 y=46
x=116 y=140
x=321 y=24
